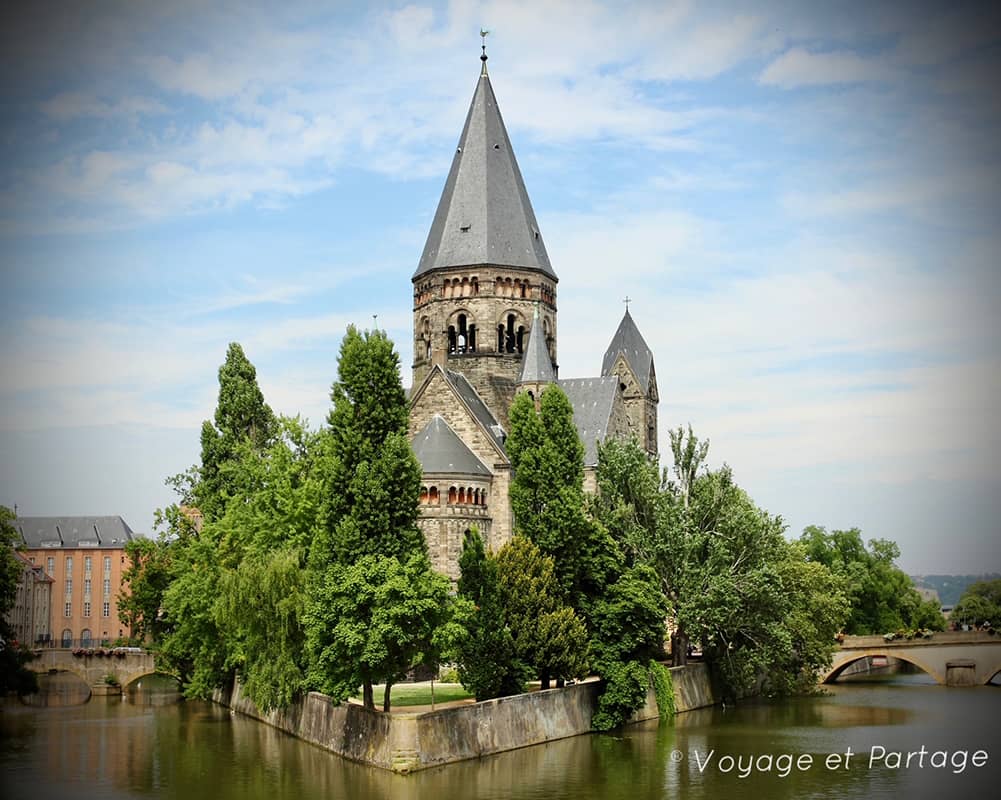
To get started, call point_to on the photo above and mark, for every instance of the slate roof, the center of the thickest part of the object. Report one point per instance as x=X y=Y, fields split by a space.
x=536 y=365
x=476 y=405
x=484 y=215
x=73 y=532
x=593 y=400
x=628 y=341
x=440 y=450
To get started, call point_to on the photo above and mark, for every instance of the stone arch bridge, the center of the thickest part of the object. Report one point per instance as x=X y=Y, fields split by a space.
x=952 y=658
x=93 y=669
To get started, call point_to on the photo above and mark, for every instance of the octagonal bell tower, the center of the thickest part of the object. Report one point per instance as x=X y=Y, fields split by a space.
x=484 y=278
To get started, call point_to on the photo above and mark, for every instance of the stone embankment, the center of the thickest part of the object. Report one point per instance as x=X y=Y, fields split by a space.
x=407 y=742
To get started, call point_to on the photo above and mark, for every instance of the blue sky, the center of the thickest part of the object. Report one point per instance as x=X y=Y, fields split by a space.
x=803 y=202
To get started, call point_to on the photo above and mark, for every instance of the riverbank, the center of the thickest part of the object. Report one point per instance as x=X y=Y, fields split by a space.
x=413 y=741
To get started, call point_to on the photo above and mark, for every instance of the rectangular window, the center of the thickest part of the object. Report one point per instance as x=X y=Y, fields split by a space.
x=86 y=563
x=86 y=585
x=86 y=609
x=50 y=566
x=69 y=586
x=69 y=610
x=106 y=610
x=107 y=587
x=69 y=565
x=107 y=563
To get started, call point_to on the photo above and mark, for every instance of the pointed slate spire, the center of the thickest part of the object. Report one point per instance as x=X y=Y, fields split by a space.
x=629 y=341
x=536 y=365
x=484 y=215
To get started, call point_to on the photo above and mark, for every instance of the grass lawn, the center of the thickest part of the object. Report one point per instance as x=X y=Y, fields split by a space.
x=419 y=694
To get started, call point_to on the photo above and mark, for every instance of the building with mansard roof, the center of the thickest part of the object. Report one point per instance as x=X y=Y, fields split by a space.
x=85 y=559
x=485 y=328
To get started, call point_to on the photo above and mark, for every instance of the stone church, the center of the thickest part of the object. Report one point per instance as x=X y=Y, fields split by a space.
x=485 y=329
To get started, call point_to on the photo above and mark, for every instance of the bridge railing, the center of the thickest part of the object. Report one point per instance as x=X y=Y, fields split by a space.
x=937 y=638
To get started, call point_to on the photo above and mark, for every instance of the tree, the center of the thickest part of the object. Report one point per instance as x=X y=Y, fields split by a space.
x=367 y=537
x=371 y=477
x=548 y=634
x=241 y=416
x=14 y=676
x=488 y=663
x=144 y=582
x=980 y=604
x=261 y=604
x=628 y=635
x=729 y=578
x=882 y=597
x=547 y=496
x=371 y=622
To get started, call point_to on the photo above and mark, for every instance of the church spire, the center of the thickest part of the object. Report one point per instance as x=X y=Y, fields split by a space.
x=484 y=215
x=536 y=366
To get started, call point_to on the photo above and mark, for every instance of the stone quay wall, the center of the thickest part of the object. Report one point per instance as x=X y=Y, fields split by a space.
x=407 y=742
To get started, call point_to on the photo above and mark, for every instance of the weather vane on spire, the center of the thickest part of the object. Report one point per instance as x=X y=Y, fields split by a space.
x=483 y=35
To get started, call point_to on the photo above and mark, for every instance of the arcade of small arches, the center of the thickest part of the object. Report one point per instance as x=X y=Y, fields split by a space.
x=470 y=287
x=456 y=496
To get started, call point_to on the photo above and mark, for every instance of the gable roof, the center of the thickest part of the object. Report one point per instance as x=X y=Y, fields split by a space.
x=439 y=450
x=536 y=365
x=484 y=215
x=630 y=343
x=73 y=532
x=593 y=400
x=477 y=406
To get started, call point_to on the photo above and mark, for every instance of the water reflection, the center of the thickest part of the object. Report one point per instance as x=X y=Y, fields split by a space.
x=112 y=750
x=59 y=689
x=152 y=690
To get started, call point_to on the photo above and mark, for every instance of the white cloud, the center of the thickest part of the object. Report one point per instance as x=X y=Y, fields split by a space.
x=799 y=67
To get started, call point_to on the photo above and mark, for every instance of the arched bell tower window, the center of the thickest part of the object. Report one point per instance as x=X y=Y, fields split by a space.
x=510 y=339
x=462 y=336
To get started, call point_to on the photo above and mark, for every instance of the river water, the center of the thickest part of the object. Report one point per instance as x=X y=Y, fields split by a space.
x=148 y=747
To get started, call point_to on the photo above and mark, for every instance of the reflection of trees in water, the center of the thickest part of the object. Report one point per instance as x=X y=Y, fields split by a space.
x=199 y=751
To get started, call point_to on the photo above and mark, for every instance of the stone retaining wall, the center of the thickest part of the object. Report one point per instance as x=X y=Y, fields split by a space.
x=406 y=742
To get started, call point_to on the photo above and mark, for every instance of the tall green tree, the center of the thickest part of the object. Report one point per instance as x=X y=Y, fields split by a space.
x=241 y=416
x=372 y=479
x=489 y=665
x=730 y=579
x=547 y=496
x=367 y=538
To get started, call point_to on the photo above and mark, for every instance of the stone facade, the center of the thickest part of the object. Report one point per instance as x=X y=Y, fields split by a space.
x=483 y=291
x=476 y=321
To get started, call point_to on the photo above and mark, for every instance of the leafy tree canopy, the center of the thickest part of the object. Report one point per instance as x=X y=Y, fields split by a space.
x=371 y=621
x=980 y=604
x=882 y=597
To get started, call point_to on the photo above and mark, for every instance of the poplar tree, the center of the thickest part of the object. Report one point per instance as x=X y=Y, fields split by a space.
x=241 y=416
x=373 y=602
x=547 y=496
x=372 y=478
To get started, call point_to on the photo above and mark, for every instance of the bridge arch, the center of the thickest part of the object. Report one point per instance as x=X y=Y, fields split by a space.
x=840 y=664
x=991 y=675
x=133 y=679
